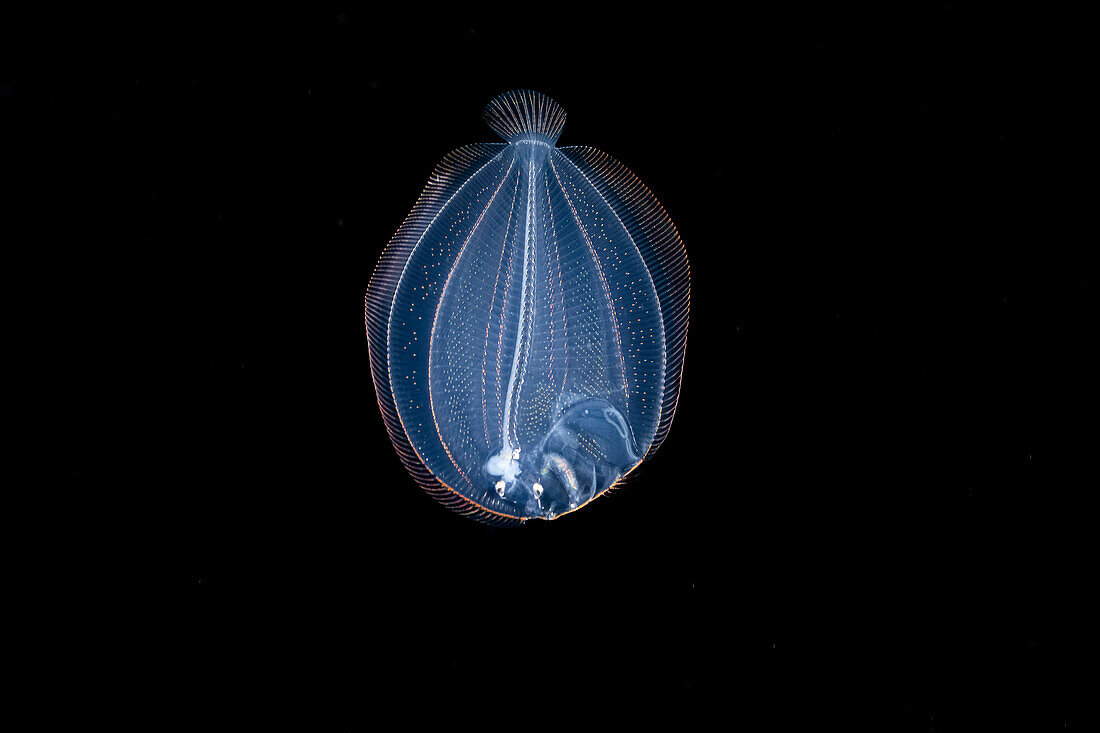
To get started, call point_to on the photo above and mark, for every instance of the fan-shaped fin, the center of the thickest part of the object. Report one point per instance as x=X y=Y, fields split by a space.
x=525 y=114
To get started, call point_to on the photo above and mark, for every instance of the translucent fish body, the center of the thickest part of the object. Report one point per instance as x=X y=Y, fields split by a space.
x=527 y=323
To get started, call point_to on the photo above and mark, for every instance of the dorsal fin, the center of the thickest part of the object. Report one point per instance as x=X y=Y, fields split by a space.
x=523 y=114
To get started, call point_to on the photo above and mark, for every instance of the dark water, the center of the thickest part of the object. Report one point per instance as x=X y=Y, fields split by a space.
x=869 y=511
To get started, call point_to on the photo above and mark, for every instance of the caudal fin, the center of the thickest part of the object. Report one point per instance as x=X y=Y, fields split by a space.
x=525 y=114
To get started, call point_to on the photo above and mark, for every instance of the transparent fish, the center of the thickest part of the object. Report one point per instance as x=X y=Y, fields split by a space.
x=528 y=321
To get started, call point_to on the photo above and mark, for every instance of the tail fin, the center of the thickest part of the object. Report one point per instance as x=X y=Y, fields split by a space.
x=525 y=114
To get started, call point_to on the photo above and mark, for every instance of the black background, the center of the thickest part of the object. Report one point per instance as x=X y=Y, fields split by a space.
x=869 y=509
